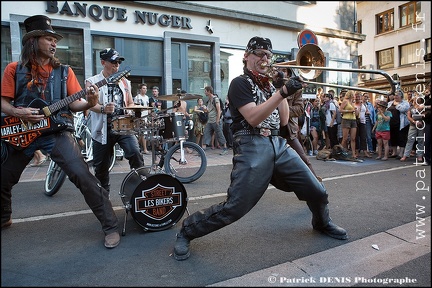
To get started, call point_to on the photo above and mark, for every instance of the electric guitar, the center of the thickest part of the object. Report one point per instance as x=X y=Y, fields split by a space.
x=20 y=135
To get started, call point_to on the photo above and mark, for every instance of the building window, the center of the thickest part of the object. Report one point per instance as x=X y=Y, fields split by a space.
x=6 y=48
x=359 y=26
x=206 y=66
x=385 y=58
x=385 y=21
x=408 y=13
x=428 y=45
x=338 y=77
x=409 y=53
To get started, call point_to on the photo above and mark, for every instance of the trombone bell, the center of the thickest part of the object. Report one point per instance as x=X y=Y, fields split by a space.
x=310 y=55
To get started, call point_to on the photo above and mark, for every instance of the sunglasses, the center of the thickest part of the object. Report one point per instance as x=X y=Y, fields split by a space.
x=115 y=62
x=261 y=54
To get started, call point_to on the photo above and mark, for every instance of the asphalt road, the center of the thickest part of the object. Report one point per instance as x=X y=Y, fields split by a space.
x=58 y=242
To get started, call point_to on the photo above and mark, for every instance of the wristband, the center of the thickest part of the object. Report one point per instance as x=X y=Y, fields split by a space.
x=102 y=111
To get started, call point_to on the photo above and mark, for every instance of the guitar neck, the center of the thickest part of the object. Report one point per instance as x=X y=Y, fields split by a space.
x=66 y=101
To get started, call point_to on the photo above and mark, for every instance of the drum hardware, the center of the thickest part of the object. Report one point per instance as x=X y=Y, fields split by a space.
x=137 y=109
x=180 y=96
x=173 y=127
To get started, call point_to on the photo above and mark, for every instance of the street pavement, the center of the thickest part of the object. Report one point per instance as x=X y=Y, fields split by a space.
x=384 y=205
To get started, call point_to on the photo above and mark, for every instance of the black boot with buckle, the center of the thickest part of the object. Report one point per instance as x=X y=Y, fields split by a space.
x=322 y=222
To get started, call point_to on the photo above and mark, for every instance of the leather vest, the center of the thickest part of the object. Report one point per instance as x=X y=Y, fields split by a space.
x=54 y=91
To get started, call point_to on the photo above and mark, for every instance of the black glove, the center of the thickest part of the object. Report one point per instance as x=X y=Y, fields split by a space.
x=292 y=85
x=278 y=81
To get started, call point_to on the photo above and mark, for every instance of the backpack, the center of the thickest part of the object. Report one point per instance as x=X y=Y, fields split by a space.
x=221 y=105
x=203 y=117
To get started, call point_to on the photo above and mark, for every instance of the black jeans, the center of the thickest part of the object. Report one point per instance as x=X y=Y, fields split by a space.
x=258 y=161
x=64 y=150
x=103 y=153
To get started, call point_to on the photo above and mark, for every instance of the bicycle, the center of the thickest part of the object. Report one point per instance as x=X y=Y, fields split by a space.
x=184 y=160
x=55 y=175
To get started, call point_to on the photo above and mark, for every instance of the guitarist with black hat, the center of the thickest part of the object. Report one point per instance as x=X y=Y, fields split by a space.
x=38 y=96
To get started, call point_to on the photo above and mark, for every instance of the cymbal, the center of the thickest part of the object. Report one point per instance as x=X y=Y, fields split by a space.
x=179 y=96
x=137 y=107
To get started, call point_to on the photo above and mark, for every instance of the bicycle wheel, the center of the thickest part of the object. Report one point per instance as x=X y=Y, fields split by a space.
x=191 y=167
x=54 y=179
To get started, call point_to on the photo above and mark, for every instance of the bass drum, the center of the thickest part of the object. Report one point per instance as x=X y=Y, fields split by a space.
x=157 y=202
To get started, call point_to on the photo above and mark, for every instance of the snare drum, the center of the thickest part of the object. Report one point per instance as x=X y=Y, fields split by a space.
x=157 y=202
x=123 y=125
x=174 y=128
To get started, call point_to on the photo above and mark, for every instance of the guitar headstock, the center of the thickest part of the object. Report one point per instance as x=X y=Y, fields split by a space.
x=114 y=78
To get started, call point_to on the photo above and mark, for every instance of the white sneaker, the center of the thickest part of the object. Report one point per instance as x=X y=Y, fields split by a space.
x=310 y=152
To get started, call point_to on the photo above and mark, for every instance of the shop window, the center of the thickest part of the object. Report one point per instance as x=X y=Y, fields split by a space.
x=408 y=13
x=99 y=44
x=385 y=21
x=385 y=58
x=409 y=53
x=146 y=54
x=197 y=77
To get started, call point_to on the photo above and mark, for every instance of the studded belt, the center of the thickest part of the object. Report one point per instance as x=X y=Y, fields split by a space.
x=258 y=131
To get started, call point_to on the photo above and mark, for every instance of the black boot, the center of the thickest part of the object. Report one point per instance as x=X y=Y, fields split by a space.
x=181 y=247
x=322 y=222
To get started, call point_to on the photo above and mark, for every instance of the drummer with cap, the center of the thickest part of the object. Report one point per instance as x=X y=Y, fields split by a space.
x=113 y=98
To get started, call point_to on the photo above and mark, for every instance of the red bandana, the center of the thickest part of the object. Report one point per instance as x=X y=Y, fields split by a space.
x=261 y=80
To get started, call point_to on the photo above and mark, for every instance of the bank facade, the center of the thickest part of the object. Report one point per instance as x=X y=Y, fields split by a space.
x=186 y=44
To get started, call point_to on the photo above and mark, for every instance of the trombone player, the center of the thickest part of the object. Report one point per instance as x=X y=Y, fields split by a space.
x=260 y=156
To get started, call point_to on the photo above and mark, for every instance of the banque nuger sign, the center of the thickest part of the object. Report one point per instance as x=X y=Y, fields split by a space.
x=108 y=13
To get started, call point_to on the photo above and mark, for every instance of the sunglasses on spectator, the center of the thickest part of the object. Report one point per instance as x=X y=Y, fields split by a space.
x=261 y=54
x=115 y=62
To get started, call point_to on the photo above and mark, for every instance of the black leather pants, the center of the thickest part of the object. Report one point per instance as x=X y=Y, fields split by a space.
x=258 y=161
x=64 y=150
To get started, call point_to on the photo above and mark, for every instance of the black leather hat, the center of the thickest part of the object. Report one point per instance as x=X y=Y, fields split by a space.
x=39 y=25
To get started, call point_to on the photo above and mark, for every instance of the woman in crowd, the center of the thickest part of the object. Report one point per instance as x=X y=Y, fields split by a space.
x=349 y=122
x=201 y=117
x=399 y=124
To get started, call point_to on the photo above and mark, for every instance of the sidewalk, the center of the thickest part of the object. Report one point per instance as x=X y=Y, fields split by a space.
x=122 y=166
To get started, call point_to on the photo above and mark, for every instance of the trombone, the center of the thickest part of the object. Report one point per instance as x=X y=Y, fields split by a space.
x=310 y=61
